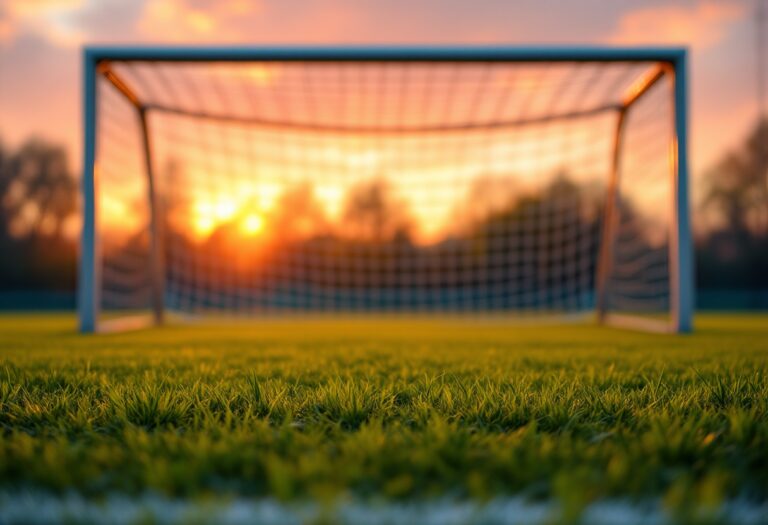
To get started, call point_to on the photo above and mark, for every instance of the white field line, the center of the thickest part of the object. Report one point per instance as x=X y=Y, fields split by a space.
x=44 y=508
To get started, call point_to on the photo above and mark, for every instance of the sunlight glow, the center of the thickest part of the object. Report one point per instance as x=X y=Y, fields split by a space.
x=261 y=75
x=252 y=224
x=204 y=226
x=331 y=196
x=225 y=209
x=208 y=215
x=266 y=194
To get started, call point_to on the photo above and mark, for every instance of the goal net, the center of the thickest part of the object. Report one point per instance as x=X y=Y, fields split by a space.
x=291 y=182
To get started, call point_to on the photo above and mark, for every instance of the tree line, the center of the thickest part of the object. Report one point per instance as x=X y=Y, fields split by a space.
x=39 y=202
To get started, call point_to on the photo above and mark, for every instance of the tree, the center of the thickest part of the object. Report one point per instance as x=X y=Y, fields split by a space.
x=734 y=254
x=37 y=191
x=737 y=187
x=487 y=195
x=298 y=214
x=38 y=195
x=373 y=212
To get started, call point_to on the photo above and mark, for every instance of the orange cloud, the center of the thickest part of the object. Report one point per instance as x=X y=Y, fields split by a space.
x=47 y=18
x=181 y=20
x=7 y=31
x=701 y=26
x=38 y=7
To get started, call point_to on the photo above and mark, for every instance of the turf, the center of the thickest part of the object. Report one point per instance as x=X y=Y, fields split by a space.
x=387 y=409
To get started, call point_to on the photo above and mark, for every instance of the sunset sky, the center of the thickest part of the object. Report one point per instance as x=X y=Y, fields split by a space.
x=40 y=44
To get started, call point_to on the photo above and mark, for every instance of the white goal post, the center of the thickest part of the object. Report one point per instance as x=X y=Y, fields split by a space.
x=512 y=181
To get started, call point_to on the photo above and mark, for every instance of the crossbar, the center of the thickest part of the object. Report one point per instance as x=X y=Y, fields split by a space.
x=386 y=53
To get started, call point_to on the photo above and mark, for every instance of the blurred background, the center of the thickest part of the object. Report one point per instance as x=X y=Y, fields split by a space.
x=40 y=105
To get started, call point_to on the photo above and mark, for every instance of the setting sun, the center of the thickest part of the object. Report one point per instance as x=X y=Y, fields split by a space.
x=204 y=225
x=211 y=215
x=252 y=224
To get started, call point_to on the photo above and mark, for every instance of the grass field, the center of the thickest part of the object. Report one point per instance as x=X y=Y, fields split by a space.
x=390 y=411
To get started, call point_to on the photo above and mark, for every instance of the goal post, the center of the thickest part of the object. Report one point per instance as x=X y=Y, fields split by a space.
x=681 y=244
x=509 y=181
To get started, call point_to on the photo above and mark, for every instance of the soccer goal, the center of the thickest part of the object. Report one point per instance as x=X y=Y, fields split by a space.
x=512 y=182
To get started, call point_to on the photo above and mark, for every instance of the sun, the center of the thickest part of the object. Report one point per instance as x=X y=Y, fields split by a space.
x=252 y=224
x=207 y=216
x=204 y=225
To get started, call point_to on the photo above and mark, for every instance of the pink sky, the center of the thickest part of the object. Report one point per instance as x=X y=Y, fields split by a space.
x=40 y=44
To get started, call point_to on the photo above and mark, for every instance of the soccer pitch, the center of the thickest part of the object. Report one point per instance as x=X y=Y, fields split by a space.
x=322 y=419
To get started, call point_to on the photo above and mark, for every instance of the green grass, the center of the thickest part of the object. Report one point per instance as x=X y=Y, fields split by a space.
x=387 y=409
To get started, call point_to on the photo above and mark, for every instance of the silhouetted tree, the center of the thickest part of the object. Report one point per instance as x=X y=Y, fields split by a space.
x=298 y=214
x=373 y=212
x=536 y=237
x=734 y=254
x=38 y=191
x=737 y=187
x=38 y=195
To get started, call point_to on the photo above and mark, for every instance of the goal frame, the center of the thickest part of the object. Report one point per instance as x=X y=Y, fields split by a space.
x=672 y=62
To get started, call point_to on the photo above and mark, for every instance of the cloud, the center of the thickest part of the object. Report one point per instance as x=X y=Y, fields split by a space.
x=53 y=20
x=700 y=26
x=195 y=20
x=6 y=29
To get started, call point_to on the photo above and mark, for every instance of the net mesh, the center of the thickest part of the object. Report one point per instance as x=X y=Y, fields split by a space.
x=639 y=280
x=382 y=187
x=123 y=207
